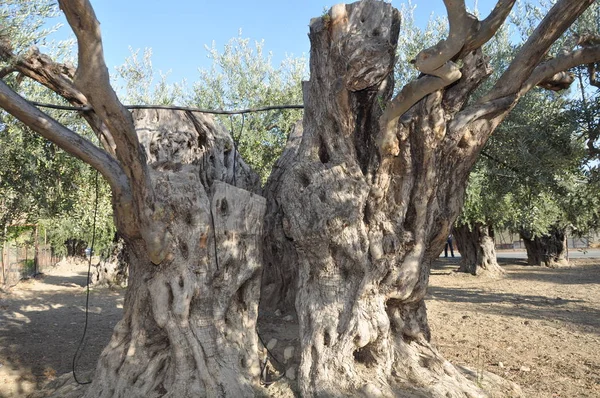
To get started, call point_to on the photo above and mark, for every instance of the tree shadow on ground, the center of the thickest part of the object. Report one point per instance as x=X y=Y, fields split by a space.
x=79 y=280
x=40 y=329
x=534 y=307
x=576 y=275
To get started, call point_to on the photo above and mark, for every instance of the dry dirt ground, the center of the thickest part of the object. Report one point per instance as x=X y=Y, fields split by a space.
x=538 y=327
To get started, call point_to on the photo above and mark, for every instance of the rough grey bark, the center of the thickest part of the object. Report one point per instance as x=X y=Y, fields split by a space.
x=366 y=211
x=189 y=323
x=549 y=249
x=280 y=256
x=477 y=250
x=365 y=202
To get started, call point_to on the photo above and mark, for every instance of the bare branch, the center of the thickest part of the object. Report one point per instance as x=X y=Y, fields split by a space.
x=57 y=77
x=410 y=94
x=577 y=40
x=558 y=82
x=487 y=28
x=417 y=89
x=557 y=21
x=7 y=71
x=66 y=139
x=476 y=68
x=477 y=111
x=43 y=70
x=434 y=61
x=460 y=25
x=550 y=69
x=92 y=79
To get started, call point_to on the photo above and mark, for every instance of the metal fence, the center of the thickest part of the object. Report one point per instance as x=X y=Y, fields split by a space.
x=572 y=243
x=19 y=262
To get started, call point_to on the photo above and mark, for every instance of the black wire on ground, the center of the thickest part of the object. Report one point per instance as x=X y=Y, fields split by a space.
x=87 y=293
x=263 y=365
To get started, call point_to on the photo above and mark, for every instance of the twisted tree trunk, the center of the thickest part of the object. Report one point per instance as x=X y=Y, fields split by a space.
x=549 y=249
x=366 y=210
x=477 y=250
x=189 y=323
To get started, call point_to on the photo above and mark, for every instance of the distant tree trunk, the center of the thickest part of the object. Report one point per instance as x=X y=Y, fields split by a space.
x=75 y=247
x=477 y=250
x=36 y=250
x=549 y=249
x=113 y=270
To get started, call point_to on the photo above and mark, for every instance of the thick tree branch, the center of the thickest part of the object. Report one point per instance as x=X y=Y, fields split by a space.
x=460 y=23
x=66 y=139
x=92 y=79
x=475 y=69
x=7 y=71
x=560 y=17
x=487 y=28
x=414 y=91
x=57 y=77
x=434 y=61
x=477 y=111
x=549 y=70
x=557 y=82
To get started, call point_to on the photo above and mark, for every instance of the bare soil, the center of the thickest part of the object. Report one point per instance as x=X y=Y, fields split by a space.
x=538 y=327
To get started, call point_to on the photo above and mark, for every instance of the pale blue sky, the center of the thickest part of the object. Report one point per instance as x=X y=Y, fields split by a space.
x=178 y=30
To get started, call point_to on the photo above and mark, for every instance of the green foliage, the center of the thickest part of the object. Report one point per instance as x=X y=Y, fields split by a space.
x=242 y=76
x=28 y=268
x=140 y=86
x=532 y=177
x=40 y=183
x=77 y=220
x=23 y=22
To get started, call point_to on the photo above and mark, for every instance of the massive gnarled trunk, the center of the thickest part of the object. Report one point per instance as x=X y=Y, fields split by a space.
x=366 y=201
x=189 y=323
x=362 y=204
x=477 y=250
x=549 y=249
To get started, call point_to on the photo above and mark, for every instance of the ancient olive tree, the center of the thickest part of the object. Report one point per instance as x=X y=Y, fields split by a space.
x=359 y=203
x=483 y=209
x=523 y=182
